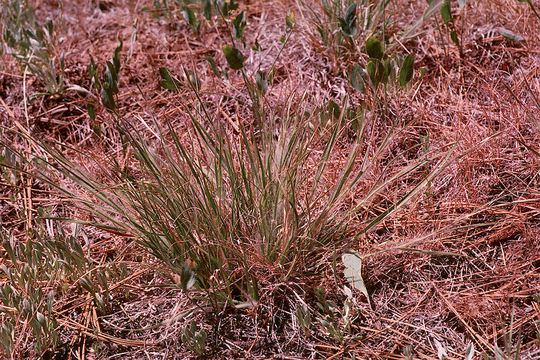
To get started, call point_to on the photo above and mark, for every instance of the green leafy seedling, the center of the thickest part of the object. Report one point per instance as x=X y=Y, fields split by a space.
x=348 y=23
x=239 y=24
x=167 y=80
x=356 y=77
x=234 y=57
x=190 y=17
x=407 y=70
x=374 y=48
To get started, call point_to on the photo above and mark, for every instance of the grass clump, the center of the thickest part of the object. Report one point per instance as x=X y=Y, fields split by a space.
x=230 y=216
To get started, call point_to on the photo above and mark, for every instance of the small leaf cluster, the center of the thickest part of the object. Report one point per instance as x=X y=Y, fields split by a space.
x=335 y=320
x=32 y=44
x=107 y=84
x=40 y=271
x=25 y=297
x=380 y=67
x=192 y=10
x=194 y=338
x=449 y=19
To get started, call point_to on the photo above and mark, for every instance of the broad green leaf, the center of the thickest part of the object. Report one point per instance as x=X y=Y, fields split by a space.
x=234 y=57
x=167 y=81
x=190 y=17
x=86 y=285
x=375 y=70
x=348 y=23
x=386 y=68
x=111 y=78
x=446 y=12
x=239 y=24
x=407 y=70
x=454 y=37
x=107 y=98
x=356 y=79
x=374 y=48
x=353 y=271
x=91 y=110
x=333 y=109
x=262 y=82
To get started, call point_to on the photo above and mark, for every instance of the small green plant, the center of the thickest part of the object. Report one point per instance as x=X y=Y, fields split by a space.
x=193 y=11
x=229 y=214
x=39 y=272
x=356 y=34
x=32 y=44
x=303 y=318
x=336 y=321
x=194 y=338
x=22 y=297
x=107 y=84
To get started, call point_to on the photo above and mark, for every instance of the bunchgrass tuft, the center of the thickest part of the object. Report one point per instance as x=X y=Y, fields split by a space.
x=230 y=214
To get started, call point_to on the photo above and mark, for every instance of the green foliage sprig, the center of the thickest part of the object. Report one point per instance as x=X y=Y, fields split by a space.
x=32 y=44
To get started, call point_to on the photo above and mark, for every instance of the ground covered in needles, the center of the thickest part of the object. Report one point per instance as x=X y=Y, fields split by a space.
x=279 y=179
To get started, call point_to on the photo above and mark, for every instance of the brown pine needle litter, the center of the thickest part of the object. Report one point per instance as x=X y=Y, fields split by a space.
x=195 y=203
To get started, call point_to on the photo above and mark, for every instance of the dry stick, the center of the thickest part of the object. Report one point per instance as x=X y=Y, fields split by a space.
x=10 y=113
x=403 y=335
x=467 y=326
x=79 y=334
x=103 y=336
x=118 y=284
x=27 y=193
x=7 y=198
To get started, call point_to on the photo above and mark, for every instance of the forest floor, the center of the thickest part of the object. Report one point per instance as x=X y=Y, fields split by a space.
x=457 y=264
